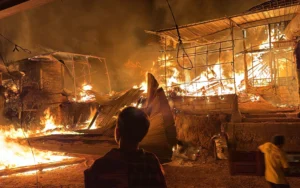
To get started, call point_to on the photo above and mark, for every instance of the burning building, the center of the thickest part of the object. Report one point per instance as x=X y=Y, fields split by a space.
x=50 y=103
x=251 y=55
x=244 y=66
x=44 y=95
x=58 y=81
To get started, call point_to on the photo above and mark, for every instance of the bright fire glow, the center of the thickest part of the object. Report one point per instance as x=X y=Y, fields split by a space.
x=92 y=114
x=85 y=95
x=49 y=121
x=50 y=127
x=15 y=151
x=214 y=80
x=15 y=154
x=143 y=86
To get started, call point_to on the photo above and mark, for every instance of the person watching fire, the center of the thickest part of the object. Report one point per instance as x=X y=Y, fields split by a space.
x=276 y=164
x=127 y=166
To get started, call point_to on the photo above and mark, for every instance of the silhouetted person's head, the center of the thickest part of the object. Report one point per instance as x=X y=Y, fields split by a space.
x=278 y=140
x=132 y=126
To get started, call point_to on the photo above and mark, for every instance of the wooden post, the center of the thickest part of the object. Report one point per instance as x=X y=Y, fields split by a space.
x=270 y=53
x=74 y=80
x=245 y=63
x=236 y=115
x=233 y=45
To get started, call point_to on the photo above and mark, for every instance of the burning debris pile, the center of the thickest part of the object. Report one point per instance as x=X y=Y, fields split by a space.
x=36 y=102
x=15 y=155
x=50 y=109
x=18 y=156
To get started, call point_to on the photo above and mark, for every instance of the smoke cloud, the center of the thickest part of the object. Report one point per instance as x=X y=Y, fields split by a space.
x=113 y=29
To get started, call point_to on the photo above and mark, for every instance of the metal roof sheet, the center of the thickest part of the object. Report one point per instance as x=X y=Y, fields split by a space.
x=194 y=31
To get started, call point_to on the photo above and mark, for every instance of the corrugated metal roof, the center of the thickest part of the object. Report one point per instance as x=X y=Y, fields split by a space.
x=273 y=4
x=199 y=30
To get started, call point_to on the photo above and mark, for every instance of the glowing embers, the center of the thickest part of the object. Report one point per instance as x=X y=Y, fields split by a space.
x=143 y=86
x=15 y=151
x=209 y=82
x=49 y=122
x=166 y=60
x=50 y=126
x=93 y=112
x=259 y=74
x=85 y=94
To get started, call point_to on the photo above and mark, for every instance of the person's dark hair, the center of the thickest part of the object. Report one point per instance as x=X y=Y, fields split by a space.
x=278 y=140
x=133 y=124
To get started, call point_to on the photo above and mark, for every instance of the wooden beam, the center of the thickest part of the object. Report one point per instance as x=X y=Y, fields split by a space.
x=23 y=169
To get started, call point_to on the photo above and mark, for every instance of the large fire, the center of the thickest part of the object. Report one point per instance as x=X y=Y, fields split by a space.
x=215 y=80
x=14 y=154
x=16 y=151
x=50 y=127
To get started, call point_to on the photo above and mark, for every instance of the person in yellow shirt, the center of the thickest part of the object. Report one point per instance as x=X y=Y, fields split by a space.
x=276 y=164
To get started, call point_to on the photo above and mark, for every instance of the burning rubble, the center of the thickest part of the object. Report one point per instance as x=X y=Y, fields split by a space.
x=52 y=94
x=16 y=154
x=31 y=109
x=46 y=113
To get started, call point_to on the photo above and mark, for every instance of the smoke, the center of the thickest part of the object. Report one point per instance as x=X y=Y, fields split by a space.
x=191 y=11
x=113 y=29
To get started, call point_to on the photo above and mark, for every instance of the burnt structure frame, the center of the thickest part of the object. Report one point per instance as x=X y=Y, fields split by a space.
x=199 y=33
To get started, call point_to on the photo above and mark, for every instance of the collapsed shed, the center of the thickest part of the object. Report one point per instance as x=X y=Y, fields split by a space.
x=56 y=81
x=52 y=97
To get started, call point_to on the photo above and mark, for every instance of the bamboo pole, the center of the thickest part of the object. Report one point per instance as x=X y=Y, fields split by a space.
x=40 y=167
x=245 y=65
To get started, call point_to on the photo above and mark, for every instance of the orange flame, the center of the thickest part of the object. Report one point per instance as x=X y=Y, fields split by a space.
x=14 y=154
x=92 y=114
x=85 y=95
x=213 y=81
x=49 y=121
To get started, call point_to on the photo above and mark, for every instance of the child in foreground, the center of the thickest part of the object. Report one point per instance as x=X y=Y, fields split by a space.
x=127 y=166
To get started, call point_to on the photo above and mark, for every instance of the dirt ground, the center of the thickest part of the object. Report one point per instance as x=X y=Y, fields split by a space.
x=178 y=174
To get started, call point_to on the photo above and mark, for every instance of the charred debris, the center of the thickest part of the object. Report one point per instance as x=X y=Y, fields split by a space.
x=58 y=87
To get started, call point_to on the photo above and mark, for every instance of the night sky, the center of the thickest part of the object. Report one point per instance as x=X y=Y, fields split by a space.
x=113 y=29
